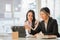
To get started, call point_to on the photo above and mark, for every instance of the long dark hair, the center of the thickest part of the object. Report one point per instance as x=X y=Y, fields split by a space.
x=33 y=21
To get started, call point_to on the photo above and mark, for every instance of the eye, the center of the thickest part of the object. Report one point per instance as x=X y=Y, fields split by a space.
x=29 y=15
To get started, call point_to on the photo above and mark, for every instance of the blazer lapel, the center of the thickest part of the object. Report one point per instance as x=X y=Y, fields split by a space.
x=49 y=23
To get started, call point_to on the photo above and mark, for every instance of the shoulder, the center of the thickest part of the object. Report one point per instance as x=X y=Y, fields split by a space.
x=53 y=20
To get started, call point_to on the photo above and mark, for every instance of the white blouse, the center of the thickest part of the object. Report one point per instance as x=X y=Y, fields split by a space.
x=29 y=24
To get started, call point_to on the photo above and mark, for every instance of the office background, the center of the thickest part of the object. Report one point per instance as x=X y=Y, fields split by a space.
x=13 y=12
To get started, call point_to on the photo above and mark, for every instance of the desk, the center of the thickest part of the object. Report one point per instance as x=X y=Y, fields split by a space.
x=9 y=37
x=34 y=39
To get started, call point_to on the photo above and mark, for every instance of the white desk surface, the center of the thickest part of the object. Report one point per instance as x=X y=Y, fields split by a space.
x=9 y=37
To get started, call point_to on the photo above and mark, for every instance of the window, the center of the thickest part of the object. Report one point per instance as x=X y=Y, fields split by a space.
x=13 y=13
x=20 y=9
x=8 y=12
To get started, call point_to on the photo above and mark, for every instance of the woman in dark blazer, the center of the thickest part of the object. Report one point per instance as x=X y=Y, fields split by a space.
x=48 y=25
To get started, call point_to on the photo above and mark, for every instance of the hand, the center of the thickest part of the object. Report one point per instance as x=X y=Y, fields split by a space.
x=36 y=35
x=41 y=34
x=52 y=36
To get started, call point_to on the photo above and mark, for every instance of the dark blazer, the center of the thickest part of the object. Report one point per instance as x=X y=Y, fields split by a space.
x=52 y=27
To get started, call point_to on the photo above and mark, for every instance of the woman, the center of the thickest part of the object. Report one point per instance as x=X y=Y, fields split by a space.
x=31 y=25
x=49 y=25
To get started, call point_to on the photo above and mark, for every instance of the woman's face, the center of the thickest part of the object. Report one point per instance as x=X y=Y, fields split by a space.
x=43 y=15
x=30 y=16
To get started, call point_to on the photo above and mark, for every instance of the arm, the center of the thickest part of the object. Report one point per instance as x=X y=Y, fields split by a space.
x=36 y=25
x=26 y=26
x=55 y=28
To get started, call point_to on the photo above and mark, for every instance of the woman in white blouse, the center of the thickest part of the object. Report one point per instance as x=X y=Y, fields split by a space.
x=31 y=25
